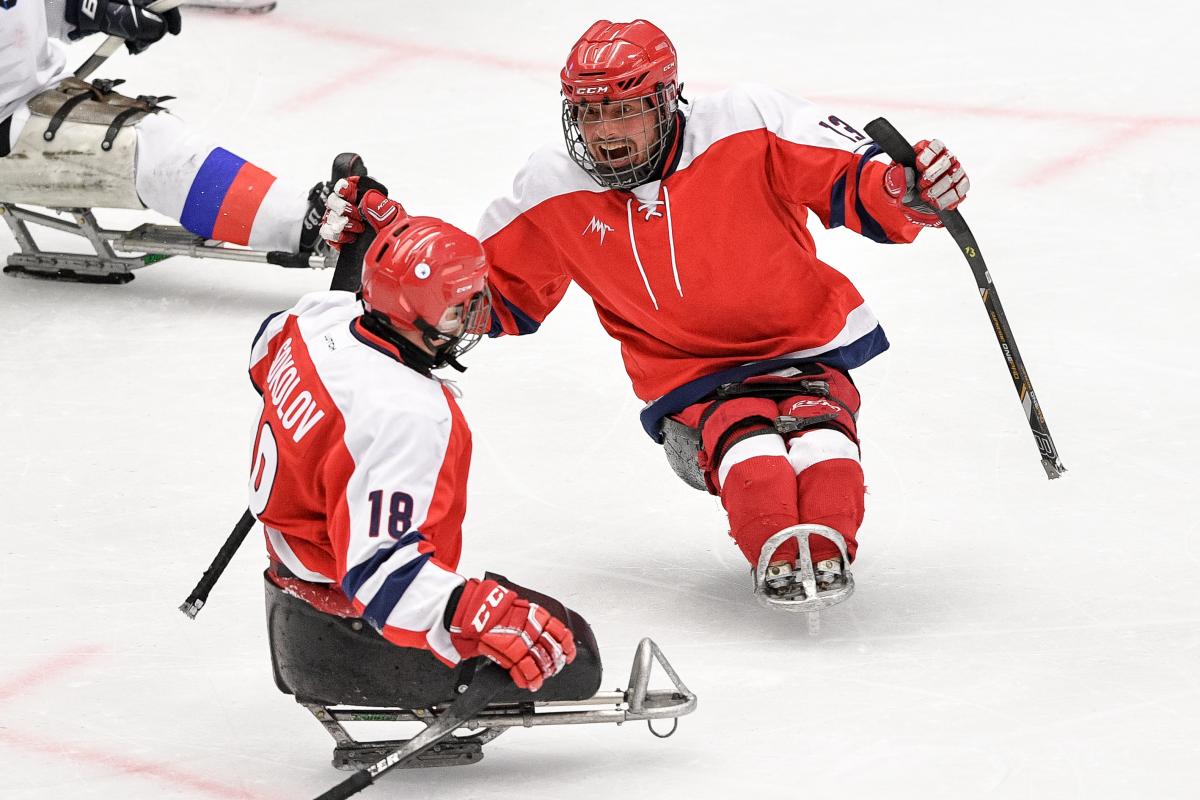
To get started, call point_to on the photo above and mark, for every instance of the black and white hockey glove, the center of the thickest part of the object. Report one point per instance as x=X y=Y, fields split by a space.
x=128 y=19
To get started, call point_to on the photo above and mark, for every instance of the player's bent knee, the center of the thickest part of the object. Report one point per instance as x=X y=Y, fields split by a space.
x=817 y=446
x=768 y=445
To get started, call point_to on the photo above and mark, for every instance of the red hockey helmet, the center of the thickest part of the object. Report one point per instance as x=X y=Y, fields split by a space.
x=425 y=275
x=620 y=92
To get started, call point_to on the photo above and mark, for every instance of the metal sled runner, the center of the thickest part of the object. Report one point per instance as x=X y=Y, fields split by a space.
x=117 y=253
x=636 y=703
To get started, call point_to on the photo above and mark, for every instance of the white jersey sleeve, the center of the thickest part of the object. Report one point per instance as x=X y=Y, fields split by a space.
x=32 y=57
x=370 y=461
x=403 y=483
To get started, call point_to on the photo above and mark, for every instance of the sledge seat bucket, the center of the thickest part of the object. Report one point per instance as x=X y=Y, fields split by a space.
x=329 y=660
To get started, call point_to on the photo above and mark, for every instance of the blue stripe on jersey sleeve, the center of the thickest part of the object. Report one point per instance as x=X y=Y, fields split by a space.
x=208 y=191
x=263 y=328
x=837 y=203
x=525 y=323
x=392 y=590
x=870 y=227
x=361 y=573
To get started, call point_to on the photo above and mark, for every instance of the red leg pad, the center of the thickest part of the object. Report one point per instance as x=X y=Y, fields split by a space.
x=760 y=496
x=832 y=494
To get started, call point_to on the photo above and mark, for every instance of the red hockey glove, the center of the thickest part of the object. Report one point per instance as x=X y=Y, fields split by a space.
x=352 y=201
x=939 y=182
x=520 y=636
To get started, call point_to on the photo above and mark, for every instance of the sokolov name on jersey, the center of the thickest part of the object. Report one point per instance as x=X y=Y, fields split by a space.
x=299 y=412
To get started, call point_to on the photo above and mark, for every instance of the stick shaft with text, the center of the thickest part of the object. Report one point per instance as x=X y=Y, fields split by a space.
x=896 y=146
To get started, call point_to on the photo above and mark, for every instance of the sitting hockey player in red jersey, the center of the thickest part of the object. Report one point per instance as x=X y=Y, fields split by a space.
x=359 y=477
x=65 y=143
x=686 y=223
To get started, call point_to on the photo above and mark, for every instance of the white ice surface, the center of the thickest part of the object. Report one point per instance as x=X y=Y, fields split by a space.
x=1011 y=637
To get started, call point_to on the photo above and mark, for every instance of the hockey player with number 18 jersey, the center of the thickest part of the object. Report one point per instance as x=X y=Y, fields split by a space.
x=361 y=456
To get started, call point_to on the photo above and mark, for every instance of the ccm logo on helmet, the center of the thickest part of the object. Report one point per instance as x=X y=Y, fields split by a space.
x=591 y=89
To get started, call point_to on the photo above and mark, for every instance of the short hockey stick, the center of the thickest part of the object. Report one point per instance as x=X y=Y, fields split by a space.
x=901 y=152
x=199 y=596
x=113 y=43
x=489 y=680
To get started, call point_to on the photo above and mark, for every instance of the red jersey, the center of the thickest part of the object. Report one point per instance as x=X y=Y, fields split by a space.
x=360 y=468
x=709 y=275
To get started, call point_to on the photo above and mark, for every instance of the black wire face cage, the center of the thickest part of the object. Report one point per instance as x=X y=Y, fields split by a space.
x=628 y=165
x=477 y=318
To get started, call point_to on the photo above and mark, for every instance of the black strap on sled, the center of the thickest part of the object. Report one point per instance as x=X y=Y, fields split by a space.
x=739 y=431
x=98 y=89
x=151 y=105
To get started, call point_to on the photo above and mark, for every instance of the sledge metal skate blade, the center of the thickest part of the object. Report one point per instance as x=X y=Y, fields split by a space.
x=810 y=599
x=450 y=752
x=64 y=274
x=116 y=253
x=102 y=266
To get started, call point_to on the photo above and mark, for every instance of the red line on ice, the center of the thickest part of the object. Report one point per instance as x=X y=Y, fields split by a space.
x=51 y=670
x=407 y=50
x=1078 y=158
x=346 y=80
x=63 y=751
x=46 y=671
x=401 y=47
x=410 y=50
x=1006 y=112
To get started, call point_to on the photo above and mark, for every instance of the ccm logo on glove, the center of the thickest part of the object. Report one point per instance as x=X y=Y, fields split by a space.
x=483 y=615
x=522 y=637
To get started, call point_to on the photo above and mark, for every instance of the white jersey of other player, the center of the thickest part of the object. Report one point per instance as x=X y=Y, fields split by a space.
x=33 y=54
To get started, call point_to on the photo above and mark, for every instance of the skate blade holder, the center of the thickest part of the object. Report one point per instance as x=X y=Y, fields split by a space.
x=637 y=703
x=812 y=600
x=117 y=253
